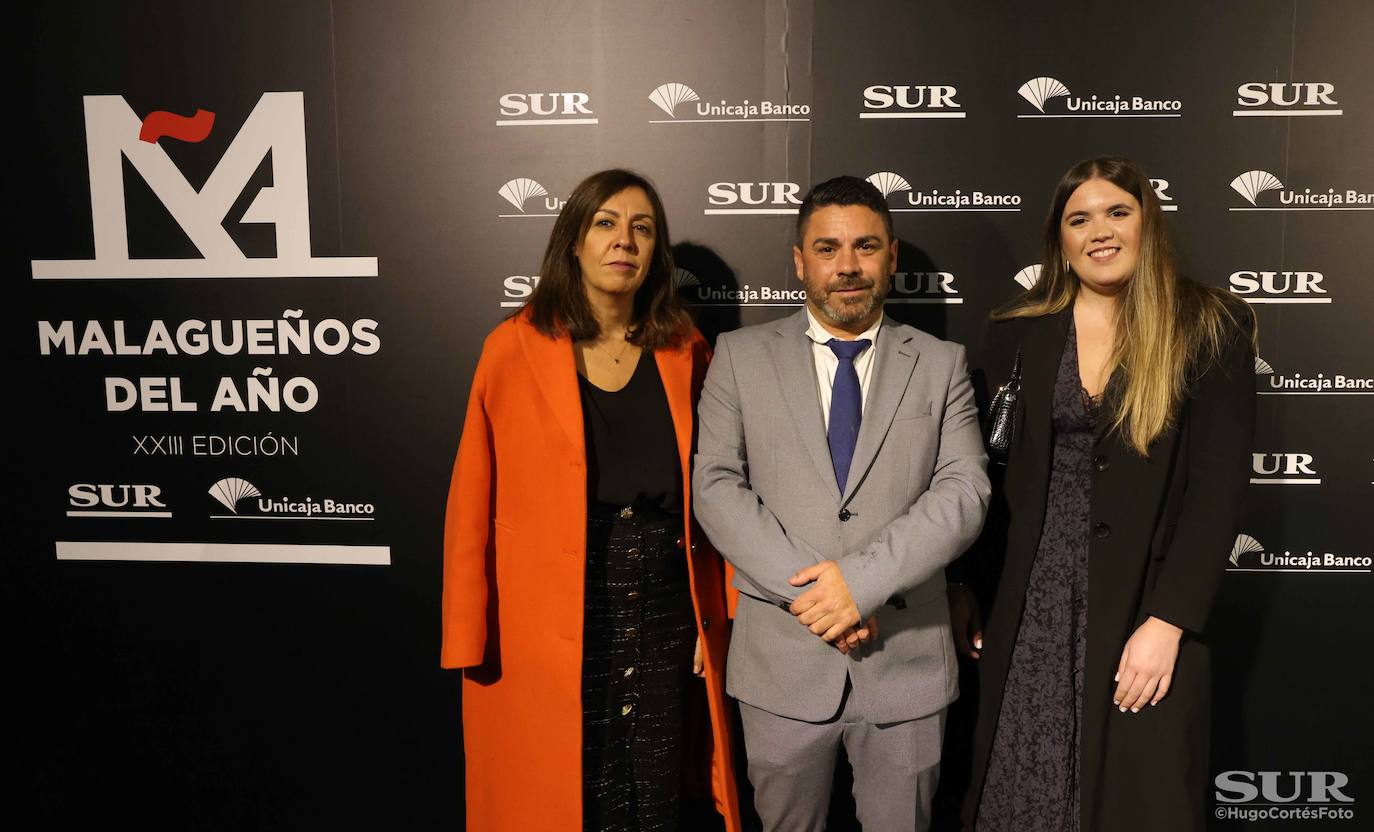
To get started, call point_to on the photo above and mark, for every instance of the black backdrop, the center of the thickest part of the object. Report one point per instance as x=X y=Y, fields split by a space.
x=271 y=662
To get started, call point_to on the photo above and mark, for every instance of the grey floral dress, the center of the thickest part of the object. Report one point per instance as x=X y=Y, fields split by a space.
x=1032 y=781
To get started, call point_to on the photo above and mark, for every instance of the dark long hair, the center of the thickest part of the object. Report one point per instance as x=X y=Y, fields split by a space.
x=1169 y=329
x=559 y=303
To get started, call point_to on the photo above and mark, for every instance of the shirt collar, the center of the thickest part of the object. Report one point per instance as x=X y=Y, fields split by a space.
x=821 y=335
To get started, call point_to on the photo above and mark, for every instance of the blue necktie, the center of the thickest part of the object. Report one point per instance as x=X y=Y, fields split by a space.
x=846 y=407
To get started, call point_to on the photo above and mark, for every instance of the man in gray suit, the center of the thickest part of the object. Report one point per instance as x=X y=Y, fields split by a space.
x=840 y=467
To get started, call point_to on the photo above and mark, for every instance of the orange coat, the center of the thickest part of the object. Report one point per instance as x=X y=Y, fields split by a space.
x=515 y=538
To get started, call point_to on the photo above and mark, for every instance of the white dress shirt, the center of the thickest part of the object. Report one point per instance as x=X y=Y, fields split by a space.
x=826 y=362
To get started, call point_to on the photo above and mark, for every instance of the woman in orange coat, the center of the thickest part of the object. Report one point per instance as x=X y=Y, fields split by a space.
x=575 y=596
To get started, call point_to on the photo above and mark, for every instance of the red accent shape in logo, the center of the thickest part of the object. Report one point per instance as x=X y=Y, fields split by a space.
x=182 y=128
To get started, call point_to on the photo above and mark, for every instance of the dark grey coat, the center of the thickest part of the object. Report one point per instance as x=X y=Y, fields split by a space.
x=1162 y=529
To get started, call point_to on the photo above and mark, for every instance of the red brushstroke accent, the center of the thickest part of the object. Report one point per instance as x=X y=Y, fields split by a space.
x=182 y=128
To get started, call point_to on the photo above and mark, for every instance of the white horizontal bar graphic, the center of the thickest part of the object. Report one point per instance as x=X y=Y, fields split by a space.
x=1284 y=481
x=1286 y=300
x=508 y=216
x=119 y=514
x=745 y=303
x=774 y=211
x=510 y=304
x=925 y=300
x=1308 y=571
x=125 y=550
x=912 y=115
x=1316 y=393
x=280 y=517
x=158 y=269
x=716 y=120
x=1287 y=112
x=516 y=122
x=1168 y=207
x=1304 y=208
x=1103 y=115
x=954 y=210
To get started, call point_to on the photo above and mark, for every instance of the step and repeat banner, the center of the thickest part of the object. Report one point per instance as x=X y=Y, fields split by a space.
x=257 y=247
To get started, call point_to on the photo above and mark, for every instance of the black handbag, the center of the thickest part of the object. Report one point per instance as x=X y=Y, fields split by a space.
x=1002 y=414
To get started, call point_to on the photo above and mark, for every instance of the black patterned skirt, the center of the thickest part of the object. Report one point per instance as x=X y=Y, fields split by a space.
x=638 y=635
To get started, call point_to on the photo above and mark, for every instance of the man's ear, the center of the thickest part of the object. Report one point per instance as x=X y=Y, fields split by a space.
x=798 y=263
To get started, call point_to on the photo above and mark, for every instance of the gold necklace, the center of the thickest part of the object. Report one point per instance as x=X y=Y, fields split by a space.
x=615 y=358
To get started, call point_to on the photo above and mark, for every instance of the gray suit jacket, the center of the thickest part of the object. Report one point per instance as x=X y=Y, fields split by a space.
x=766 y=496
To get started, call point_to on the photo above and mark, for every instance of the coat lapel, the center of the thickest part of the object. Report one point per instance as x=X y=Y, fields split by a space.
x=1042 y=350
x=791 y=352
x=675 y=369
x=551 y=362
x=896 y=360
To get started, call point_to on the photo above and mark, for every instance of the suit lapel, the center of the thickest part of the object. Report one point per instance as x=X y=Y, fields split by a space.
x=895 y=361
x=551 y=362
x=791 y=353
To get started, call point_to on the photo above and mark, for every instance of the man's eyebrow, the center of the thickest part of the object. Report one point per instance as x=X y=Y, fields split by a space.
x=825 y=241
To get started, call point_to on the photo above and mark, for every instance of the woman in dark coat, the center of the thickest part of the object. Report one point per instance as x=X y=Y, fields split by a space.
x=1123 y=490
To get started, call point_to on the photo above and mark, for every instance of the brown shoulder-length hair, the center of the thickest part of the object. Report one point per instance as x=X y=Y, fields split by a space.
x=1169 y=329
x=559 y=302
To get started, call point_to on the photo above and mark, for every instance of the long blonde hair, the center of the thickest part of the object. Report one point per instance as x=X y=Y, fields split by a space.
x=1169 y=329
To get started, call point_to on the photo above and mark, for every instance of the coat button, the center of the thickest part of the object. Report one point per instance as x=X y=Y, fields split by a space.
x=626 y=709
x=844 y=515
x=633 y=554
x=1101 y=462
x=1102 y=530
x=633 y=595
x=631 y=632
x=681 y=544
x=705 y=623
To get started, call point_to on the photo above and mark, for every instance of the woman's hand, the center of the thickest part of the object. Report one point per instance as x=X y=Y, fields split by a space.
x=698 y=662
x=1147 y=665
x=965 y=619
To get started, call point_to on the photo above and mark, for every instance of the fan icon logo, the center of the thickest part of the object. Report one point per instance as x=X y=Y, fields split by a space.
x=1040 y=91
x=520 y=191
x=918 y=200
x=230 y=490
x=1251 y=184
x=1029 y=276
x=668 y=97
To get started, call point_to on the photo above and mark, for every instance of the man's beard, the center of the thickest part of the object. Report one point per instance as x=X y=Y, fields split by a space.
x=847 y=313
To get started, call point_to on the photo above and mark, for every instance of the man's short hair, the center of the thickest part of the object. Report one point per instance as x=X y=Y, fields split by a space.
x=843 y=190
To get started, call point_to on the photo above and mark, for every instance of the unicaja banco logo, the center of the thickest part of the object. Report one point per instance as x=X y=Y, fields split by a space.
x=275 y=128
x=230 y=490
x=936 y=200
x=1249 y=555
x=669 y=97
x=1253 y=183
x=520 y=191
x=1273 y=383
x=1041 y=91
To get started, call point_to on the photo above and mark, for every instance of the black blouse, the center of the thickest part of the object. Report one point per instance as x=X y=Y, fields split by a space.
x=632 y=456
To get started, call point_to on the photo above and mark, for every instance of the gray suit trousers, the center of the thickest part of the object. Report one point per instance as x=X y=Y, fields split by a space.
x=792 y=766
